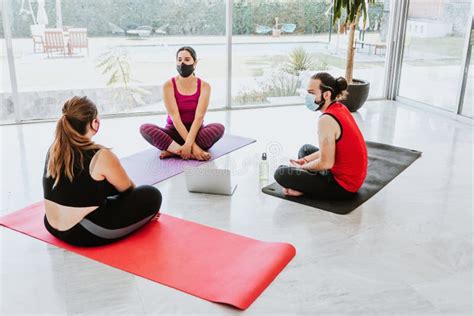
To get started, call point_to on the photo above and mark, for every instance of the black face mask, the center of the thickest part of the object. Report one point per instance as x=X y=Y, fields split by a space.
x=185 y=70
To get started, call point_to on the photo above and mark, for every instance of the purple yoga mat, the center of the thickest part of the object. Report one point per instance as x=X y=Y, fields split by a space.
x=146 y=167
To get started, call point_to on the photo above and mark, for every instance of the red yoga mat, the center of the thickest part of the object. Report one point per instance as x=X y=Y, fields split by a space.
x=203 y=261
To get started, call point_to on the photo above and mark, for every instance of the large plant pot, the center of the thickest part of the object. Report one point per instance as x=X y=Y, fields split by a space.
x=358 y=91
x=276 y=32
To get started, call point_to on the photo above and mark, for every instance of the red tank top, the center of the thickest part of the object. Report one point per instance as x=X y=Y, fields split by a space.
x=187 y=104
x=350 y=166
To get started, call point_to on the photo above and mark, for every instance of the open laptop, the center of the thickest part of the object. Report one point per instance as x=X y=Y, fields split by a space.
x=212 y=181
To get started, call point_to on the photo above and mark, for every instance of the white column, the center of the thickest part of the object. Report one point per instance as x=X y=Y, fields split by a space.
x=5 y=8
x=228 y=101
x=59 y=15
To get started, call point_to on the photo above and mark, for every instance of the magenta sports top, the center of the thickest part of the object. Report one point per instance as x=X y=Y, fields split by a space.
x=187 y=104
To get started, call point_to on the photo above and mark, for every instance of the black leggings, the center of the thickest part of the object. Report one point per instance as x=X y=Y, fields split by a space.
x=318 y=184
x=120 y=216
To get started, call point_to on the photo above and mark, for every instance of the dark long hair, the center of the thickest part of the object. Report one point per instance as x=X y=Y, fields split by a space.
x=190 y=50
x=337 y=86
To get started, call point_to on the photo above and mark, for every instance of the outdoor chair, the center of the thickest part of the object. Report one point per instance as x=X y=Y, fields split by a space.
x=78 y=40
x=141 y=32
x=54 y=41
x=288 y=28
x=115 y=29
x=162 y=30
x=37 y=34
x=262 y=29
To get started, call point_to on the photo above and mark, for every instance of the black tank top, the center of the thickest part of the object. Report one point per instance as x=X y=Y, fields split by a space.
x=83 y=191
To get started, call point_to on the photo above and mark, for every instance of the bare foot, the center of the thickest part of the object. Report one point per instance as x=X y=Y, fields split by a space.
x=291 y=192
x=174 y=149
x=166 y=154
x=205 y=155
x=201 y=155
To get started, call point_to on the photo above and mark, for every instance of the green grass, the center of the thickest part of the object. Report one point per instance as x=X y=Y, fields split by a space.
x=437 y=62
x=255 y=66
x=447 y=46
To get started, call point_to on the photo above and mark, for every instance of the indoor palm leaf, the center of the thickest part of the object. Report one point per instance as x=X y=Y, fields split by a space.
x=349 y=12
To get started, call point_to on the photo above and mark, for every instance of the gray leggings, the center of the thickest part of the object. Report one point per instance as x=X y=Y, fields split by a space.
x=314 y=183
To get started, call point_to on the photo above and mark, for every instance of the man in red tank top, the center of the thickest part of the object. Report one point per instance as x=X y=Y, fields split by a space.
x=338 y=168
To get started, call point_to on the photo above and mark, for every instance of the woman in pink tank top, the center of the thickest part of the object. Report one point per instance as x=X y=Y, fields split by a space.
x=186 y=98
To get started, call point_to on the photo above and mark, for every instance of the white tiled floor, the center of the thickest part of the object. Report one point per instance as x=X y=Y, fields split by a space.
x=408 y=250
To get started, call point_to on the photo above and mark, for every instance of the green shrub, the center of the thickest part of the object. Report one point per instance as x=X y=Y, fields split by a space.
x=183 y=17
x=299 y=60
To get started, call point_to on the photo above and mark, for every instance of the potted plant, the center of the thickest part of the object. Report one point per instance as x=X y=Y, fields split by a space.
x=348 y=12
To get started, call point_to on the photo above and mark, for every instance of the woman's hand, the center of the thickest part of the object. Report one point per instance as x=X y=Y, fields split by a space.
x=186 y=151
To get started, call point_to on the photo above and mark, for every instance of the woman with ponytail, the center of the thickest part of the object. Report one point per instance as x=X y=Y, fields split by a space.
x=89 y=198
x=338 y=168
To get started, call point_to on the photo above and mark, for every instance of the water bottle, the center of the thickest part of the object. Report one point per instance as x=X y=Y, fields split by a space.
x=263 y=168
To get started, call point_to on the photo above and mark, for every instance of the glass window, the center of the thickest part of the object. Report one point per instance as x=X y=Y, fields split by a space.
x=278 y=45
x=118 y=53
x=468 y=102
x=6 y=100
x=433 y=56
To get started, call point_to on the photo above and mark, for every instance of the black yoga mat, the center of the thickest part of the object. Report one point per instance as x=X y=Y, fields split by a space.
x=385 y=163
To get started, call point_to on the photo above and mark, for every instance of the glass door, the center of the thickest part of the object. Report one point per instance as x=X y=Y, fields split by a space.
x=433 y=52
x=467 y=100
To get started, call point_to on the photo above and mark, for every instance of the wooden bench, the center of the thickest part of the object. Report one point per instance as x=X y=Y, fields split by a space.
x=376 y=46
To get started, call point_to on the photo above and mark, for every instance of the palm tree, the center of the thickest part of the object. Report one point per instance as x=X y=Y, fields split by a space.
x=349 y=12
